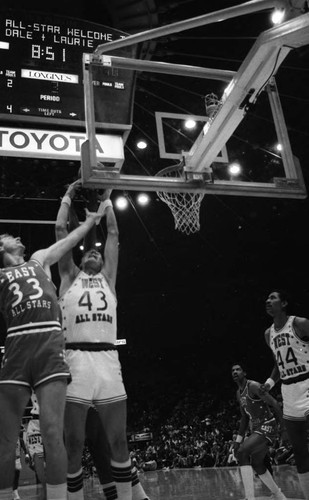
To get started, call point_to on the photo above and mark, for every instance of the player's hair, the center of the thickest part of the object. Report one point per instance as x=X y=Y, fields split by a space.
x=284 y=295
x=241 y=366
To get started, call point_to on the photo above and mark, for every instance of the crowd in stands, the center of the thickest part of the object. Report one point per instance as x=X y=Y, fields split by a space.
x=189 y=434
x=187 y=440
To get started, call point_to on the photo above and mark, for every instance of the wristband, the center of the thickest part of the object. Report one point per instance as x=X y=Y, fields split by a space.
x=238 y=439
x=102 y=207
x=66 y=199
x=270 y=382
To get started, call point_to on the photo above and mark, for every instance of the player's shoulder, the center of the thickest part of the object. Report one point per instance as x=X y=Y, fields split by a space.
x=301 y=327
x=299 y=320
x=253 y=384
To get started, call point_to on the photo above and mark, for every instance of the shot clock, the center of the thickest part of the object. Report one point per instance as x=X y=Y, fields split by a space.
x=41 y=71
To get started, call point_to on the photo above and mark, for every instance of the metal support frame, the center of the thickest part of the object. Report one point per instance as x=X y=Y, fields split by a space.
x=195 y=22
x=260 y=65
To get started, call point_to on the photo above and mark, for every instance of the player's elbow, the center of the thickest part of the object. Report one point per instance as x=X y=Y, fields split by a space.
x=113 y=231
x=60 y=230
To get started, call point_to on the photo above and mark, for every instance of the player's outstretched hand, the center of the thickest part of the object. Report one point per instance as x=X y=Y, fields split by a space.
x=93 y=215
x=105 y=195
x=73 y=188
x=264 y=388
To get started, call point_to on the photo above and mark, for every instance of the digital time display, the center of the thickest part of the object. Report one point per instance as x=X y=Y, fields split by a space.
x=41 y=71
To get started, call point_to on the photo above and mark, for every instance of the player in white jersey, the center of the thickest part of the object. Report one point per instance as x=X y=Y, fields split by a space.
x=88 y=304
x=288 y=338
x=35 y=449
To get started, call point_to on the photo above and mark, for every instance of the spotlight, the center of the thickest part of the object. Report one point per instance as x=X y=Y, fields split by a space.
x=143 y=199
x=277 y=16
x=190 y=124
x=234 y=169
x=141 y=144
x=121 y=202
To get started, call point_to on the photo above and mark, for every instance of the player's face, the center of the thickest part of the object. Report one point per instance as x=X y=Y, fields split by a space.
x=274 y=304
x=237 y=373
x=11 y=243
x=92 y=259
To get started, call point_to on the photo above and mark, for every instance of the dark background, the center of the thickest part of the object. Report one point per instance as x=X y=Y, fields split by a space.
x=189 y=306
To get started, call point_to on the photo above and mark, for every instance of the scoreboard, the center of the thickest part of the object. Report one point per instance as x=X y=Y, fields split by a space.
x=41 y=71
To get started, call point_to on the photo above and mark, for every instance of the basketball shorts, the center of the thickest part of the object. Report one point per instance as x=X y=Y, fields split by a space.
x=96 y=377
x=33 y=359
x=295 y=400
x=268 y=429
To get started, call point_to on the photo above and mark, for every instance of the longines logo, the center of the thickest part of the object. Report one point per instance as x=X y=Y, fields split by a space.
x=49 y=75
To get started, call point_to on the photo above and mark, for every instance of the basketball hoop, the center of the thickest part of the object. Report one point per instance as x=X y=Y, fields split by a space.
x=185 y=207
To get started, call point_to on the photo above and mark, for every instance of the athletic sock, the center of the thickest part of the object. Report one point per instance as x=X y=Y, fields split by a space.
x=248 y=481
x=76 y=485
x=121 y=472
x=109 y=491
x=138 y=492
x=304 y=483
x=267 y=479
x=56 y=491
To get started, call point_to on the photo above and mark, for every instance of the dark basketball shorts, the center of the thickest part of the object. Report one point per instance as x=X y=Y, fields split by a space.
x=33 y=359
x=268 y=429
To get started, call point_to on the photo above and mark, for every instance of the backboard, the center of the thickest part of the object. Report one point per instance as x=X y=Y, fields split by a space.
x=247 y=128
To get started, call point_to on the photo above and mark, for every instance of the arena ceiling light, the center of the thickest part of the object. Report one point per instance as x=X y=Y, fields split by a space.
x=142 y=144
x=143 y=199
x=277 y=16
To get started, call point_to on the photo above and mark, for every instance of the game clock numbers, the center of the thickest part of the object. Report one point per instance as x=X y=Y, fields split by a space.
x=41 y=70
x=47 y=53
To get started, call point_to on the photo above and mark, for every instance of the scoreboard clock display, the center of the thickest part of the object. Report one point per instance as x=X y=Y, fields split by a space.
x=41 y=71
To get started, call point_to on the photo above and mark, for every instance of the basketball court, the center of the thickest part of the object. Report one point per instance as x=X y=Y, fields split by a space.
x=192 y=484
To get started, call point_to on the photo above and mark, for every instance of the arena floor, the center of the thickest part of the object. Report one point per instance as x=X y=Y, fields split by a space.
x=193 y=484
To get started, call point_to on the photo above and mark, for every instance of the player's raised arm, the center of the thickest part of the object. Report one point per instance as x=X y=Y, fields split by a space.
x=51 y=255
x=66 y=265
x=111 y=251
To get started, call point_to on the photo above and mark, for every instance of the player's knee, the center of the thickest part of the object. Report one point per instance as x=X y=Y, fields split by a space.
x=242 y=455
x=52 y=435
x=258 y=467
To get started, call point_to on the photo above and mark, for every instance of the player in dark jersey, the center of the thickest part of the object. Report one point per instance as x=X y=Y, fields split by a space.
x=288 y=338
x=257 y=417
x=34 y=354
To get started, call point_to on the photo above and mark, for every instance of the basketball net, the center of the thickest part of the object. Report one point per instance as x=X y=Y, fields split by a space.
x=185 y=207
